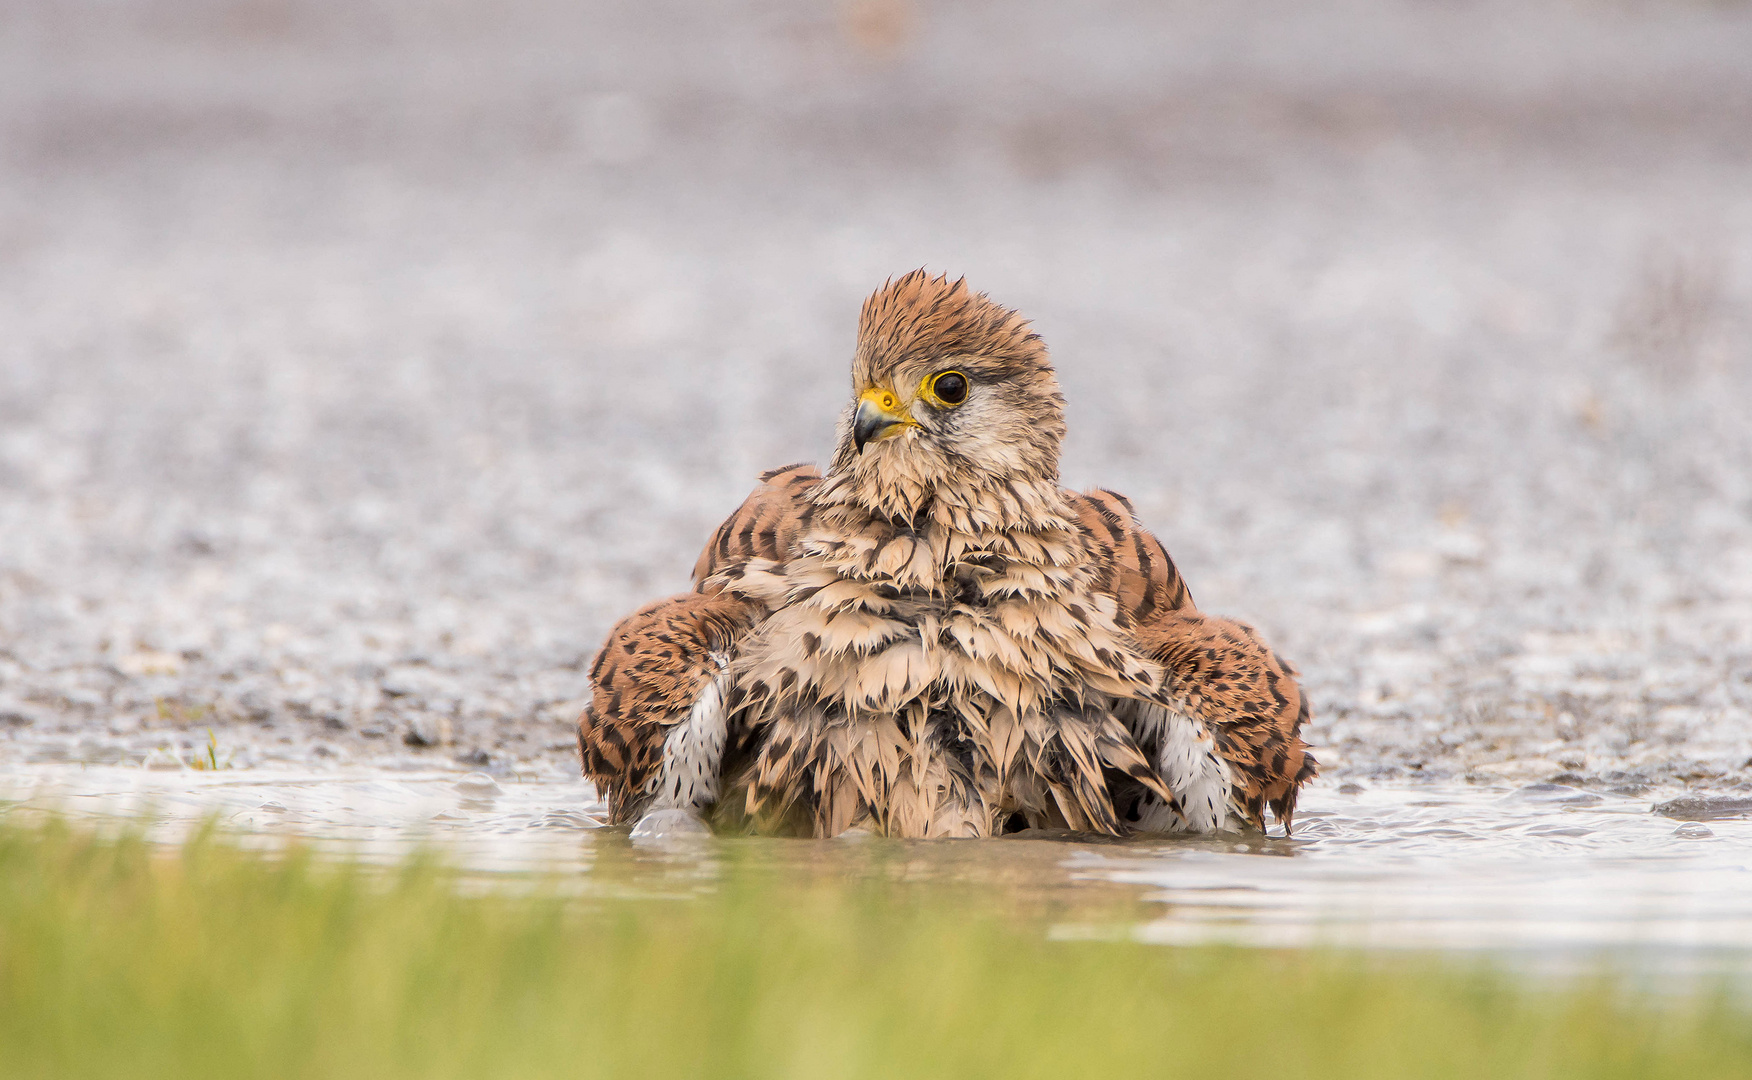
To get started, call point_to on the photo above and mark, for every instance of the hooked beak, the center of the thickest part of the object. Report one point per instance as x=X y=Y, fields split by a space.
x=880 y=415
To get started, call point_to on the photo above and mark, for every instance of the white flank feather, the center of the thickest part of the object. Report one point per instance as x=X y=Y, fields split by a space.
x=1188 y=762
x=694 y=748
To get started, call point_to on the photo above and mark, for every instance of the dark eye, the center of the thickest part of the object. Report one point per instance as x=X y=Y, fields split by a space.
x=950 y=387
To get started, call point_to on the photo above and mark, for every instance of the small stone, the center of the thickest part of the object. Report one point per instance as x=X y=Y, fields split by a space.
x=150 y=662
x=1351 y=789
x=95 y=752
x=1705 y=807
x=1693 y=830
x=477 y=757
x=256 y=705
x=1555 y=793
x=422 y=732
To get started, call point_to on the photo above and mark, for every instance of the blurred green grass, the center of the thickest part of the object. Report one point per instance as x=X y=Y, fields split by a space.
x=120 y=958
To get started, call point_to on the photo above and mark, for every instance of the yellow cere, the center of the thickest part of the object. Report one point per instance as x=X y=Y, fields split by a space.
x=887 y=403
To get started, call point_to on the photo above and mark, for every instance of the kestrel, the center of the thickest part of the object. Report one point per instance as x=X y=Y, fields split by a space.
x=934 y=638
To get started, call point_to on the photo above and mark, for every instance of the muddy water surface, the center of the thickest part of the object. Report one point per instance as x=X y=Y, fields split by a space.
x=1541 y=874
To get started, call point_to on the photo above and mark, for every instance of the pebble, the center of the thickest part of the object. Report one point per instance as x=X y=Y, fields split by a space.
x=1556 y=793
x=162 y=760
x=422 y=732
x=51 y=753
x=1705 y=807
x=94 y=752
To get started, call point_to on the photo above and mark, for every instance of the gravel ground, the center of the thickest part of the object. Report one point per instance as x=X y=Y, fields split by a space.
x=361 y=364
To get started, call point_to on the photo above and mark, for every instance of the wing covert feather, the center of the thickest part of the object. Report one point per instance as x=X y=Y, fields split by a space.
x=1222 y=673
x=645 y=680
x=765 y=526
x=1135 y=567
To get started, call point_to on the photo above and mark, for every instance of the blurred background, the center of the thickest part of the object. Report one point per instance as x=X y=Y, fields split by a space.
x=361 y=363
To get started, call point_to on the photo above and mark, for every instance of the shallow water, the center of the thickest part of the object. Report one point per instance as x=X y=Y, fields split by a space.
x=1542 y=874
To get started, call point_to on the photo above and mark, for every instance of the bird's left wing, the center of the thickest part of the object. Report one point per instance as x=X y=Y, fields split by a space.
x=654 y=733
x=1223 y=673
x=1134 y=567
x=1220 y=671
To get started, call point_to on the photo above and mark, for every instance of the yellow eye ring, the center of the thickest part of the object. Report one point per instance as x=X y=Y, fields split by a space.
x=946 y=389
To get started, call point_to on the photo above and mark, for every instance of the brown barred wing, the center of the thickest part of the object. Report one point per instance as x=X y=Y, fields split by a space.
x=654 y=666
x=1222 y=673
x=1135 y=568
x=765 y=526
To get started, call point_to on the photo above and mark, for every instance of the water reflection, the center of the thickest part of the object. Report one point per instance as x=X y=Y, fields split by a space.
x=1541 y=870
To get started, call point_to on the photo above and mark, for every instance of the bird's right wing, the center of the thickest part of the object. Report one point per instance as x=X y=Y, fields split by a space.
x=766 y=525
x=658 y=678
x=655 y=730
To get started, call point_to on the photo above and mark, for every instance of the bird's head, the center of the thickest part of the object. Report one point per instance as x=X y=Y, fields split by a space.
x=948 y=388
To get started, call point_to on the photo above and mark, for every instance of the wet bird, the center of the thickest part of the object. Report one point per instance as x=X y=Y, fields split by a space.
x=934 y=638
